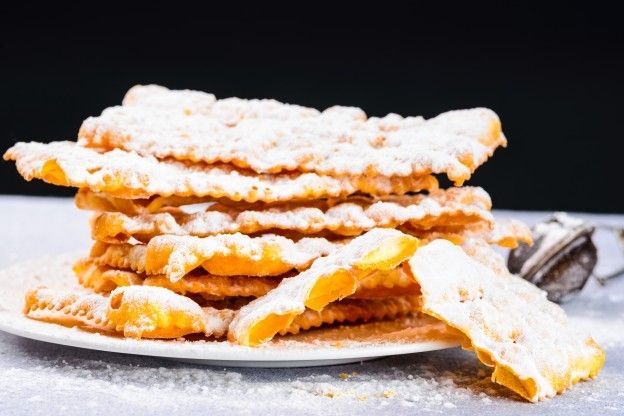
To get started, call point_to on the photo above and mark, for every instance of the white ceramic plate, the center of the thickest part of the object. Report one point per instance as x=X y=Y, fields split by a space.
x=56 y=272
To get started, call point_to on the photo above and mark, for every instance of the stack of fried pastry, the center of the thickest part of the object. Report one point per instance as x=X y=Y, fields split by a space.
x=243 y=220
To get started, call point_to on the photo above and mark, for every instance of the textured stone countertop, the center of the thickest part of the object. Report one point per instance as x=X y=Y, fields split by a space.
x=45 y=379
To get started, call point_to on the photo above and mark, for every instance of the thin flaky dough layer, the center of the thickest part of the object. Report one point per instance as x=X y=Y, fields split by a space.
x=508 y=233
x=134 y=311
x=128 y=175
x=104 y=279
x=329 y=279
x=250 y=134
x=153 y=312
x=509 y=322
x=98 y=201
x=452 y=207
x=354 y=310
x=223 y=254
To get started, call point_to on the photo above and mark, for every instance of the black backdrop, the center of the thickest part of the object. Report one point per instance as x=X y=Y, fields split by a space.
x=554 y=74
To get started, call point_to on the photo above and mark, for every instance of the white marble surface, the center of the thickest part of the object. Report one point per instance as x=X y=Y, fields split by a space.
x=38 y=378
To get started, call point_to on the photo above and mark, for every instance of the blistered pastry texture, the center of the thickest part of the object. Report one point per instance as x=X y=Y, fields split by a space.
x=354 y=310
x=330 y=278
x=104 y=279
x=68 y=308
x=128 y=175
x=453 y=207
x=152 y=312
x=101 y=202
x=505 y=233
x=134 y=311
x=213 y=287
x=509 y=322
x=120 y=256
x=269 y=137
x=223 y=254
x=233 y=254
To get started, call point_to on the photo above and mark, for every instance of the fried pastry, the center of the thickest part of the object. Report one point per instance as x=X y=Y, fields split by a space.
x=223 y=254
x=328 y=279
x=504 y=233
x=455 y=207
x=509 y=322
x=250 y=219
x=128 y=175
x=104 y=279
x=228 y=110
x=101 y=202
x=340 y=141
x=152 y=312
x=134 y=311
x=354 y=310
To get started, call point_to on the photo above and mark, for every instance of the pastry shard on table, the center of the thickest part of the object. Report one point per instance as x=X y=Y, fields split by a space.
x=241 y=221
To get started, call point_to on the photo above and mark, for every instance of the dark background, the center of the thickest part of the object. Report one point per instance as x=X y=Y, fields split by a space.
x=554 y=74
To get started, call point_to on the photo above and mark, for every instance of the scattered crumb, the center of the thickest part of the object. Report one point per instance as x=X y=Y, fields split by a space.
x=388 y=394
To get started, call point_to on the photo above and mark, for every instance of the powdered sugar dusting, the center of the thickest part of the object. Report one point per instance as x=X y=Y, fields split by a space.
x=291 y=294
x=183 y=253
x=509 y=321
x=423 y=384
x=268 y=136
x=128 y=175
x=456 y=206
x=175 y=256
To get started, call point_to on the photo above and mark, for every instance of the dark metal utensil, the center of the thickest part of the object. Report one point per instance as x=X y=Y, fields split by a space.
x=562 y=258
x=619 y=232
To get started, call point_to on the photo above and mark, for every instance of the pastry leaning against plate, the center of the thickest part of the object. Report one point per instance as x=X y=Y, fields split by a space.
x=241 y=221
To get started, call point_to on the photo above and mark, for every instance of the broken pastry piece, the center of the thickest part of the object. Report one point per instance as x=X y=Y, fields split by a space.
x=128 y=175
x=509 y=322
x=328 y=279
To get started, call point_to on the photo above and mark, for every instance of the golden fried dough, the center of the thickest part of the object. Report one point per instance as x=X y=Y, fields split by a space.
x=128 y=175
x=255 y=134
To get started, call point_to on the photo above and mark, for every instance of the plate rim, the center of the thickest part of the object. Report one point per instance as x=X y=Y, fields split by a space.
x=206 y=351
